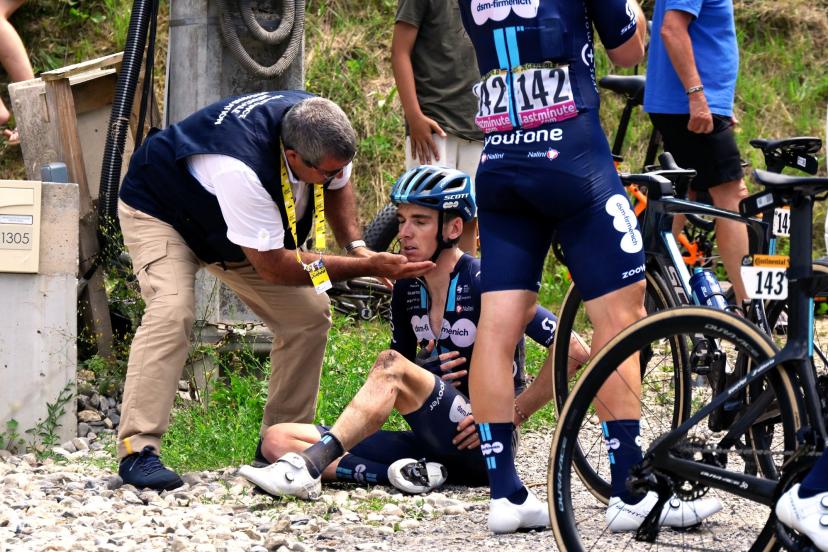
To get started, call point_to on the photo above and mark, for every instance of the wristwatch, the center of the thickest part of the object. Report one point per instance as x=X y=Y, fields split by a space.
x=354 y=245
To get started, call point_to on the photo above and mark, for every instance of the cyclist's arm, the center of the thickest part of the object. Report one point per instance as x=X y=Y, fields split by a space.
x=628 y=48
x=676 y=38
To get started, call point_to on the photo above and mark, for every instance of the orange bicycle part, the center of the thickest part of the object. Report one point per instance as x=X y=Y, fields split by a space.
x=640 y=199
x=693 y=256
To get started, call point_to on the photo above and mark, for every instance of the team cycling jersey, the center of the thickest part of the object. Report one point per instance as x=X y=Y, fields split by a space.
x=537 y=59
x=410 y=304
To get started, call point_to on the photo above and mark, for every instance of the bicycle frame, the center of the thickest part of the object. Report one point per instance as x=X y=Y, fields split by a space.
x=663 y=254
x=794 y=357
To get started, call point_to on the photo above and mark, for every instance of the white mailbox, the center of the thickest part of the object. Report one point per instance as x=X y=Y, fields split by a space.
x=19 y=226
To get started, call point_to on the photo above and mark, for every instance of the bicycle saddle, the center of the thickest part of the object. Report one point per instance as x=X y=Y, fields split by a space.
x=797 y=153
x=631 y=86
x=786 y=185
x=800 y=144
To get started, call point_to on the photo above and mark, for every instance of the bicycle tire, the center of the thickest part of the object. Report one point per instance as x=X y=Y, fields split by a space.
x=735 y=334
x=379 y=234
x=658 y=297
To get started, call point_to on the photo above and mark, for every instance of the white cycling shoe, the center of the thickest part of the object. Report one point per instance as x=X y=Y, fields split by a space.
x=675 y=513
x=506 y=517
x=287 y=476
x=416 y=476
x=808 y=516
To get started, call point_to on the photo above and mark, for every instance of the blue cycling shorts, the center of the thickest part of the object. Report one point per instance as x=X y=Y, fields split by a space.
x=555 y=182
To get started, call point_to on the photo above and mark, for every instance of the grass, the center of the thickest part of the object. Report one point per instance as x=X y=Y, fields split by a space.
x=225 y=431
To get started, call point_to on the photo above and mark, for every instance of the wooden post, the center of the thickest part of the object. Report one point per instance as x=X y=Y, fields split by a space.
x=60 y=105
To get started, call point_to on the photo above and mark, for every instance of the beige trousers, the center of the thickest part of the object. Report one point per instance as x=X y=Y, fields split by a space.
x=166 y=267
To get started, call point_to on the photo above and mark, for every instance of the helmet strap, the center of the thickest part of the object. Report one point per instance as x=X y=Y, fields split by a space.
x=442 y=243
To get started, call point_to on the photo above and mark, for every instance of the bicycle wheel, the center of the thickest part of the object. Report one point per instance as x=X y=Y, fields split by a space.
x=379 y=234
x=579 y=523
x=675 y=383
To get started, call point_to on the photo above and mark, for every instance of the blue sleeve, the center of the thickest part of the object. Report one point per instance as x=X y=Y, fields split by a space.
x=403 y=339
x=615 y=21
x=693 y=7
x=542 y=327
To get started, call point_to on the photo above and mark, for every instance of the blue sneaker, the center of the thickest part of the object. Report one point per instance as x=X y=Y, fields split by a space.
x=145 y=470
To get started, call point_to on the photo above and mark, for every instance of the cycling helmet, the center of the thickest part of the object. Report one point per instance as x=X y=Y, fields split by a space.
x=436 y=188
x=444 y=190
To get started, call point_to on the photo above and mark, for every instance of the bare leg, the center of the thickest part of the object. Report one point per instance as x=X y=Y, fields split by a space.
x=394 y=382
x=731 y=237
x=280 y=439
x=503 y=319
x=619 y=398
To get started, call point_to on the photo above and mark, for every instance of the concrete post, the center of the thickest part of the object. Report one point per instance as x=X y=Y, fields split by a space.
x=38 y=355
x=201 y=70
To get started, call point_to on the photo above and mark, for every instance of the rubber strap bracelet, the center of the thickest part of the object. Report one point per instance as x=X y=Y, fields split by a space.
x=354 y=245
x=694 y=89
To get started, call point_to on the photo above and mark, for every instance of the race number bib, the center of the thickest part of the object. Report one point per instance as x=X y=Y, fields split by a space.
x=782 y=222
x=527 y=97
x=764 y=276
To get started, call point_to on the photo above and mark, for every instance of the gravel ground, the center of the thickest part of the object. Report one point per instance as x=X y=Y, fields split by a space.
x=75 y=505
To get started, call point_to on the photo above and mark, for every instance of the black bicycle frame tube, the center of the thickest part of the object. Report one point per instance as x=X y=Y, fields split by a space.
x=795 y=354
x=801 y=308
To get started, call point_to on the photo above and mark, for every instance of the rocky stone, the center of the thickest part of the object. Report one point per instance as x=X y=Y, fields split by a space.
x=392 y=510
x=131 y=498
x=455 y=510
x=86 y=375
x=81 y=443
x=89 y=416
x=30 y=459
x=83 y=429
x=4 y=454
x=114 y=417
x=408 y=524
x=108 y=423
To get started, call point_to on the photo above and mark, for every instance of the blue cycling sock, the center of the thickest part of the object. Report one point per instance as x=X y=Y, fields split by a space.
x=496 y=446
x=356 y=468
x=816 y=481
x=622 y=440
x=323 y=452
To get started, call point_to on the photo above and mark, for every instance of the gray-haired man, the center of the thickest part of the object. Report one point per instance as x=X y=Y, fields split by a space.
x=235 y=188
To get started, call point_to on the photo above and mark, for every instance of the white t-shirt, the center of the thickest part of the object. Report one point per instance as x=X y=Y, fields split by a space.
x=252 y=218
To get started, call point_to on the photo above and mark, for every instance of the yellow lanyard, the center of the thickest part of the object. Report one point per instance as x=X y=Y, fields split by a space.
x=318 y=273
x=290 y=209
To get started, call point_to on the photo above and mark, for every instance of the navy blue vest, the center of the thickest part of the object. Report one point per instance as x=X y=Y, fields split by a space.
x=247 y=128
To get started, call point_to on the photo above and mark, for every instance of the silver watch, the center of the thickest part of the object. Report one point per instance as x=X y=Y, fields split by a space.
x=354 y=244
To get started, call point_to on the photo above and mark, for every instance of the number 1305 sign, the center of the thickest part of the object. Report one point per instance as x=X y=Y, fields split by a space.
x=764 y=276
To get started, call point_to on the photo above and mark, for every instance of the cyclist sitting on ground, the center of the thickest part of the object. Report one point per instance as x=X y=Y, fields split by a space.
x=434 y=203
